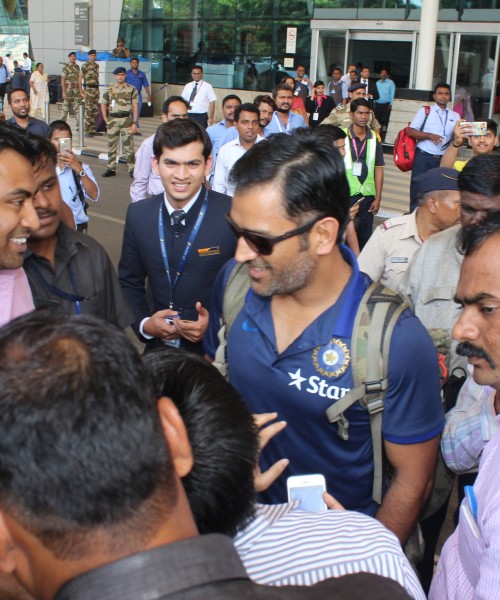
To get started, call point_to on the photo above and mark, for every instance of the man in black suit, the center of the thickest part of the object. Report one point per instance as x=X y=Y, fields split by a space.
x=178 y=241
x=371 y=86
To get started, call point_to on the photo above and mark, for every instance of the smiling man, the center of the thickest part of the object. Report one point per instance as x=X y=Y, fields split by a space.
x=246 y=118
x=20 y=105
x=68 y=270
x=178 y=241
x=293 y=335
x=17 y=220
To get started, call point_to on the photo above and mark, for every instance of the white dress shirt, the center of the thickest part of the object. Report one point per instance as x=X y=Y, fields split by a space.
x=204 y=95
x=228 y=155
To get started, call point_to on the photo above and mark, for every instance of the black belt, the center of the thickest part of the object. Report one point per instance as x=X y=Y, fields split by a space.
x=199 y=114
x=120 y=115
x=87 y=85
x=428 y=153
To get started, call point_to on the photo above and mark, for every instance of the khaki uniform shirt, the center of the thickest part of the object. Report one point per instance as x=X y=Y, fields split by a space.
x=390 y=249
x=70 y=72
x=341 y=118
x=120 y=98
x=90 y=73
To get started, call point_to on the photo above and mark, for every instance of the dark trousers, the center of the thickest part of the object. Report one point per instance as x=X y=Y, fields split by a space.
x=422 y=163
x=3 y=87
x=363 y=222
x=383 y=114
x=201 y=118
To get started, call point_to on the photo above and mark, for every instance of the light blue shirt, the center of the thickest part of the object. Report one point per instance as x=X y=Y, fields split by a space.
x=386 y=90
x=441 y=122
x=219 y=135
x=4 y=74
x=69 y=191
x=276 y=125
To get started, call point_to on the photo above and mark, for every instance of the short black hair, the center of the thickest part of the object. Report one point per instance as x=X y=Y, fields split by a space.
x=82 y=446
x=492 y=126
x=355 y=104
x=481 y=175
x=336 y=69
x=133 y=58
x=473 y=236
x=170 y=100
x=230 y=97
x=282 y=86
x=330 y=133
x=33 y=147
x=60 y=125
x=13 y=91
x=197 y=67
x=222 y=434
x=442 y=85
x=180 y=132
x=246 y=106
x=264 y=99
x=311 y=177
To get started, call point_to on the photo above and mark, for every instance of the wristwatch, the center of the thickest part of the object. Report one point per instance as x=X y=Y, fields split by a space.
x=82 y=173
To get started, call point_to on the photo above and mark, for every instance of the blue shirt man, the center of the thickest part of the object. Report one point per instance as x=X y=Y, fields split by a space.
x=289 y=347
x=283 y=120
x=139 y=80
x=224 y=131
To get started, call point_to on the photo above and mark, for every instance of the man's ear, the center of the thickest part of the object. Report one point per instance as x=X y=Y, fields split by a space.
x=208 y=165
x=7 y=548
x=154 y=164
x=176 y=436
x=326 y=232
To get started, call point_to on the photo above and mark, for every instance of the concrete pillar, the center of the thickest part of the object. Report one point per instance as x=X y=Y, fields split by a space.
x=427 y=44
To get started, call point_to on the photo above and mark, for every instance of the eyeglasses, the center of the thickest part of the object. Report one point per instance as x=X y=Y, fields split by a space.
x=262 y=244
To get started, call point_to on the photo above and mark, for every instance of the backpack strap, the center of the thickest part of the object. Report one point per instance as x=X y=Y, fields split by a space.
x=378 y=313
x=427 y=110
x=235 y=291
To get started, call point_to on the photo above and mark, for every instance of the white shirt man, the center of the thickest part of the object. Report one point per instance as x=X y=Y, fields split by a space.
x=201 y=98
x=246 y=120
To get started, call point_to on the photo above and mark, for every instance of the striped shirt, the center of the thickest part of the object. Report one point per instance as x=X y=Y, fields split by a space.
x=286 y=546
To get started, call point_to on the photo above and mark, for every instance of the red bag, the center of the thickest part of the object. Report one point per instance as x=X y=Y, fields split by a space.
x=404 y=147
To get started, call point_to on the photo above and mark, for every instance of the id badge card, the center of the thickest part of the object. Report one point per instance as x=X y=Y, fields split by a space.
x=315 y=116
x=296 y=93
x=113 y=102
x=356 y=168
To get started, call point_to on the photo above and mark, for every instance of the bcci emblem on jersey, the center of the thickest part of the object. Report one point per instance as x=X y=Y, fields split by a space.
x=333 y=359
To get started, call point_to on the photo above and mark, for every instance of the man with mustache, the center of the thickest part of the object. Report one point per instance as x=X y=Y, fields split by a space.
x=283 y=121
x=68 y=270
x=468 y=567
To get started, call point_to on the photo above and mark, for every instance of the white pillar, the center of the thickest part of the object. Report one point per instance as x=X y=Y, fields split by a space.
x=427 y=44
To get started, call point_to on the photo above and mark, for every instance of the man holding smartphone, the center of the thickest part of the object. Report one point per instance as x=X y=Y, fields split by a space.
x=484 y=143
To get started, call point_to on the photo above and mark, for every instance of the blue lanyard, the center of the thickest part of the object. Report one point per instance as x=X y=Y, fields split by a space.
x=187 y=249
x=445 y=121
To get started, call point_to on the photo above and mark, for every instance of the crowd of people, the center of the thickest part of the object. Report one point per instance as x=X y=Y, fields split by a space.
x=369 y=357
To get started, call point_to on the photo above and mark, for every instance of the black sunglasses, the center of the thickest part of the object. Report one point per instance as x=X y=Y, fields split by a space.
x=262 y=244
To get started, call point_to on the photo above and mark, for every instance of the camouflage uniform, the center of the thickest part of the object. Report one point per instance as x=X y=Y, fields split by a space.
x=70 y=72
x=90 y=74
x=121 y=100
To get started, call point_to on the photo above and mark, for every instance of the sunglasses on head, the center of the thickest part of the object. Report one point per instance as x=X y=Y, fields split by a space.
x=263 y=244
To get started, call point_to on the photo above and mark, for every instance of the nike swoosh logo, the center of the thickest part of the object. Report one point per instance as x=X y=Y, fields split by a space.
x=247 y=326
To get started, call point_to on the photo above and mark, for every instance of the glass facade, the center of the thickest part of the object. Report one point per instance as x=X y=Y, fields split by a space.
x=240 y=43
x=14 y=29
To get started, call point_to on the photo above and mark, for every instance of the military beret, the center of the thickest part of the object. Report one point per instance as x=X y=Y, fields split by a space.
x=442 y=178
x=71 y=53
x=92 y=52
x=119 y=70
x=356 y=86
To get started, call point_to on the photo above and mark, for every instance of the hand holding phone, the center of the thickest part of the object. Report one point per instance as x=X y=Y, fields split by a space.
x=308 y=489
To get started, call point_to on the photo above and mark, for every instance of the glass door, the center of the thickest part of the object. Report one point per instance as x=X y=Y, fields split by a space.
x=331 y=53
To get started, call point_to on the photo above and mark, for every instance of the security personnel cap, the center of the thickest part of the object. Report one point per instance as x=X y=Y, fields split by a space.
x=71 y=54
x=356 y=86
x=442 y=178
x=119 y=70
x=92 y=51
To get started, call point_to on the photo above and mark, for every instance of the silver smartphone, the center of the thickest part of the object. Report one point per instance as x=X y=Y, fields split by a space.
x=64 y=144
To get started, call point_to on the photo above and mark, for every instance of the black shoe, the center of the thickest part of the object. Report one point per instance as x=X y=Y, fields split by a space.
x=137 y=133
x=98 y=134
x=131 y=174
x=108 y=173
x=91 y=135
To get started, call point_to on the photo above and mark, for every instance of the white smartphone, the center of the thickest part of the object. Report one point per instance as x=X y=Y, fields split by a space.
x=308 y=489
